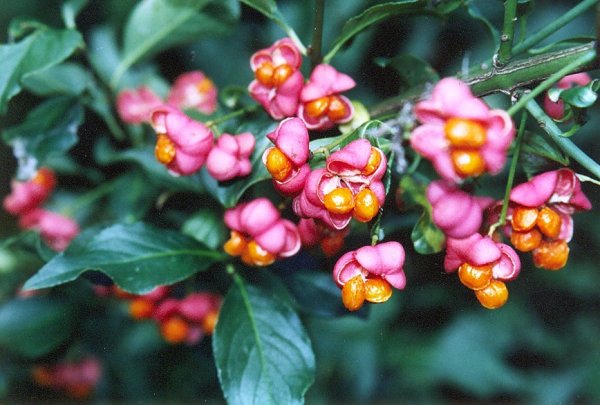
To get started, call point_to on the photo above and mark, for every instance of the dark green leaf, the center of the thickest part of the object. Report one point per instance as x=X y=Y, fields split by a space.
x=43 y=48
x=476 y=13
x=228 y=193
x=413 y=193
x=50 y=128
x=562 y=44
x=136 y=257
x=370 y=17
x=448 y=6
x=207 y=227
x=155 y=25
x=33 y=327
x=426 y=237
x=580 y=96
x=65 y=79
x=412 y=71
x=536 y=144
x=103 y=52
x=524 y=8
x=316 y=293
x=261 y=349
x=157 y=173
x=131 y=198
x=70 y=9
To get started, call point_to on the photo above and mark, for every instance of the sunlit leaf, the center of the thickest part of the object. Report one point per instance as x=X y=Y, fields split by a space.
x=207 y=227
x=426 y=237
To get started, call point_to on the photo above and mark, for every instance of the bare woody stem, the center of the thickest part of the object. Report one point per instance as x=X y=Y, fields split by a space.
x=521 y=73
x=508 y=32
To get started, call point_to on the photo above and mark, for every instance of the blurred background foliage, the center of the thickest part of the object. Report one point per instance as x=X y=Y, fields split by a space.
x=432 y=342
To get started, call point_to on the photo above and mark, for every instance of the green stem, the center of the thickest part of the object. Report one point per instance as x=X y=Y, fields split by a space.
x=511 y=175
x=563 y=143
x=317 y=39
x=227 y=117
x=90 y=196
x=554 y=26
x=506 y=79
x=508 y=32
x=555 y=77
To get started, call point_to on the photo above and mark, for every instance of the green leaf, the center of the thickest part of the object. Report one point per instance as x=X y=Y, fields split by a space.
x=261 y=349
x=412 y=71
x=228 y=193
x=157 y=173
x=35 y=326
x=447 y=6
x=70 y=9
x=476 y=13
x=370 y=17
x=579 y=96
x=51 y=128
x=41 y=49
x=65 y=79
x=155 y=25
x=316 y=293
x=266 y=7
x=136 y=257
x=426 y=237
x=207 y=227
x=536 y=144
x=131 y=198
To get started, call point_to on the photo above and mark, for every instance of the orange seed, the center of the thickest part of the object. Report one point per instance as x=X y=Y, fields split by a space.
x=339 y=201
x=278 y=164
x=475 y=277
x=353 y=293
x=549 y=222
x=551 y=255
x=377 y=290
x=494 y=295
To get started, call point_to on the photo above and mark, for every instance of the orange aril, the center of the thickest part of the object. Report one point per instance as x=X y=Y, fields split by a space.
x=236 y=244
x=337 y=109
x=255 y=255
x=42 y=376
x=377 y=290
x=164 y=149
x=317 y=108
x=141 y=308
x=264 y=74
x=524 y=218
x=205 y=85
x=549 y=222
x=79 y=391
x=373 y=162
x=209 y=322
x=339 y=201
x=366 y=205
x=551 y=255
x=465 y=133
x=353 y=293
x=475 y=277
x=45 y=178
x=467 y=162
x=174 y=330
x=526 y=241
x=494 y=295
x=278 y=164
x=281 y=74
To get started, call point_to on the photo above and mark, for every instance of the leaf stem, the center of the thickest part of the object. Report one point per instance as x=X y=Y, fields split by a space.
x=508 y=32
x=90 y=196
x=317 y=39
x=279 y=20
x=511 y=175
x=219 y=120
x=565 y=144
x=553 y=78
